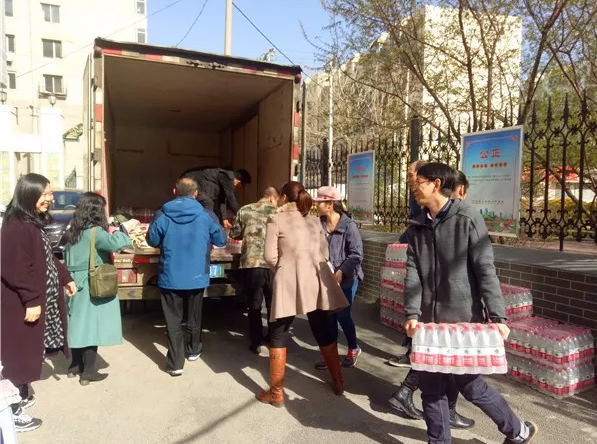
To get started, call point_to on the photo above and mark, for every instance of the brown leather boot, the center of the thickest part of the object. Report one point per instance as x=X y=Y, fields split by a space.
x=277 y=367
x=330 y=355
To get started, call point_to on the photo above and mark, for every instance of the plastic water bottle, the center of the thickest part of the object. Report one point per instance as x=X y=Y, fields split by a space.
x=470 y=349
x=457 y=338
x=445 y=349
x=496 y=346
x=432 y=340
x=483 y=351
x=418 y=354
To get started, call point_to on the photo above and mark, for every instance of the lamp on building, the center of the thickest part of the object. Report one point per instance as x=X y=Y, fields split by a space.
x=3 y=97
x=52 y=100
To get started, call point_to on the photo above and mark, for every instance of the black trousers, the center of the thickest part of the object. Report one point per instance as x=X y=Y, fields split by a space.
x=318 y=321
x=84 y=361
x=474 y=388
x=182 y=307
x=412 y=381
x=23 y=393
x=258 y=285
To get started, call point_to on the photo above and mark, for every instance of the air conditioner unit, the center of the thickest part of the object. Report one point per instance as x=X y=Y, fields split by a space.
x=10 y=57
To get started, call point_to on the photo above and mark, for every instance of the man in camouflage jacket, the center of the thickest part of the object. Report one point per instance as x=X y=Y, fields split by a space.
x=250 y=226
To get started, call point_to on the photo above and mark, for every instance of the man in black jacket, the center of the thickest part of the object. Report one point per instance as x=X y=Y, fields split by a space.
x=451 y=278
x=216 y=189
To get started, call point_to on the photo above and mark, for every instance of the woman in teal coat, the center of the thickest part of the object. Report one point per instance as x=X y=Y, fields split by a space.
x=92 y=321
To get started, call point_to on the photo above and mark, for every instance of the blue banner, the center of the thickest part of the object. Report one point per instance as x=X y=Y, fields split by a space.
x=492 y=162
x=361 y=186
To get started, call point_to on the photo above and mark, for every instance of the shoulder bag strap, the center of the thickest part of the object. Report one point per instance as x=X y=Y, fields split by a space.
x=92 y=250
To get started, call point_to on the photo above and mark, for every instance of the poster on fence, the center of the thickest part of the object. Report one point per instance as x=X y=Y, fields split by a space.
x=492 y=163
x=361 y=186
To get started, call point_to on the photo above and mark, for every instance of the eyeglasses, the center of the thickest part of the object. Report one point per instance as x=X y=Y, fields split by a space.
x=418 y=183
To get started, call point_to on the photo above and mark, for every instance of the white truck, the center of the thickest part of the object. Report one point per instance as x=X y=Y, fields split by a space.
x=153 y=112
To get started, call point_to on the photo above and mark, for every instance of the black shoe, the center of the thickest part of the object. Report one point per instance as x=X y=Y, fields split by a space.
x=402 y=400
x=321 y=365
x=255 y=349
x=533 y=430
x=97 y=377
x=460 y=422
x=27 y=402
x=402 y=361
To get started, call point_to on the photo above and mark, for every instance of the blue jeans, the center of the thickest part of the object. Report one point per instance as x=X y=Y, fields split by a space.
x=344 y=318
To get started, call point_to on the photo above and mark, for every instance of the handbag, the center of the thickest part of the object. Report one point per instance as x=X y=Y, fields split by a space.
x=103 y=280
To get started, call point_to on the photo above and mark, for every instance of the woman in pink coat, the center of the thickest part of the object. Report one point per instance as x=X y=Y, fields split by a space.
x=296 y=248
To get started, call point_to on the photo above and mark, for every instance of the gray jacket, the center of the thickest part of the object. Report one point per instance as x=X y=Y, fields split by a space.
x=346 y=250
x=450 y=271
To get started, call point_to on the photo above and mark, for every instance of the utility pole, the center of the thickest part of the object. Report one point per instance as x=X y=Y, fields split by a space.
x=331 y=126
x=228 y=36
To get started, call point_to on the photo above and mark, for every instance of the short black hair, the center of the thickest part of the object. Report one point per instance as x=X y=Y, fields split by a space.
x=243 y=176
x=185 y=186
x=446 y=175
x=461 y=180
x=268 y=192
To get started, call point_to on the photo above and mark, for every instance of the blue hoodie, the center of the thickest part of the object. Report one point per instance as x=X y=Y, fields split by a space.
x=184 y=230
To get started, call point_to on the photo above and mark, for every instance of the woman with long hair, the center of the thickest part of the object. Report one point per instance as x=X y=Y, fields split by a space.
x=32 y=308
x=297 y=250
x=93 y=321
x=346 y=256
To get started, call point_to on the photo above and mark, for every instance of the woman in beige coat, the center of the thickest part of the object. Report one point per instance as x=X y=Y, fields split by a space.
x=296 y=248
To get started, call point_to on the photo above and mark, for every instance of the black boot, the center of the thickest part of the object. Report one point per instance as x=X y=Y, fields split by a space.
x=90 y=373
x=460 y=422
x=402 y=400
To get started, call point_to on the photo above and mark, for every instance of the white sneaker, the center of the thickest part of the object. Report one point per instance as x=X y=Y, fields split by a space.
x=194 y=357
x=26 y=423
x=175 y=372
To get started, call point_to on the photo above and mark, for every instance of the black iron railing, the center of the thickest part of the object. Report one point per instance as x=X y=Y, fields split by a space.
x=559 y=175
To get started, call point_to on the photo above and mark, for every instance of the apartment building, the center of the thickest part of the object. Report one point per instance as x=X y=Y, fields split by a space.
x=45 y=45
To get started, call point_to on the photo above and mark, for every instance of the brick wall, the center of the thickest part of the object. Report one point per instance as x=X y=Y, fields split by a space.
x=561 y=295
x=558 y=292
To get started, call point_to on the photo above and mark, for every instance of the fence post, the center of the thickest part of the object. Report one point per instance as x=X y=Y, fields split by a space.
x=325 y=167
x=415 y=138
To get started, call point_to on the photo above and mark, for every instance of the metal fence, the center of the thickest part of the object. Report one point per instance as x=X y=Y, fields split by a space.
x=559 y=183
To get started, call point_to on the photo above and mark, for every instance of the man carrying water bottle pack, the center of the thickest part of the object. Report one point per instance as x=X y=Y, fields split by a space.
x=451 y=278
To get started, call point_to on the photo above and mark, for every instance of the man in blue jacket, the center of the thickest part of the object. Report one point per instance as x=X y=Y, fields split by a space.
x=184 y=232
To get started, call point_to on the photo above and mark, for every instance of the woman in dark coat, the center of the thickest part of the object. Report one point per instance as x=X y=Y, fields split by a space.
x=32 y=305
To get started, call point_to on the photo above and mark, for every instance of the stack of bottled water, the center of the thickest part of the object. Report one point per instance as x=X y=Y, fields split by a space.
x=556 y=359
x=459 y=349
x=518 y=301
x=393 y=275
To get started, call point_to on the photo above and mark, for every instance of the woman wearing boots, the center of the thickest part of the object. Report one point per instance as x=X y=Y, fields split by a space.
x=32 y=309
x=346 y=256
x=92 y=321
x=296 y=248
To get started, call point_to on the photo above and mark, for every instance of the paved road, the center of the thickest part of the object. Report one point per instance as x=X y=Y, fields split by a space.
x=213 y=402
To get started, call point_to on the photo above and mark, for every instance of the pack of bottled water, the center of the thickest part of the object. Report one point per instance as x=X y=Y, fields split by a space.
x=393 y=275
x=557 y=382
x=459 y=349
x=518 y=301
x=550 y=343
x=556 y=359
x=234 y=246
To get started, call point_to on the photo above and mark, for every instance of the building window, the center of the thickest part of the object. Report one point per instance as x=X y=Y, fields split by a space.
x=53 y=84
x=12 y=80
x=51 y=13
x=10 y=43
x=8 y=12
x=141 y=35
x=52 y=49
x=141 y=7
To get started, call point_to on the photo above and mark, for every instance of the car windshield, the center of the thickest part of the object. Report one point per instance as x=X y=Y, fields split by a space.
x=66 y=200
